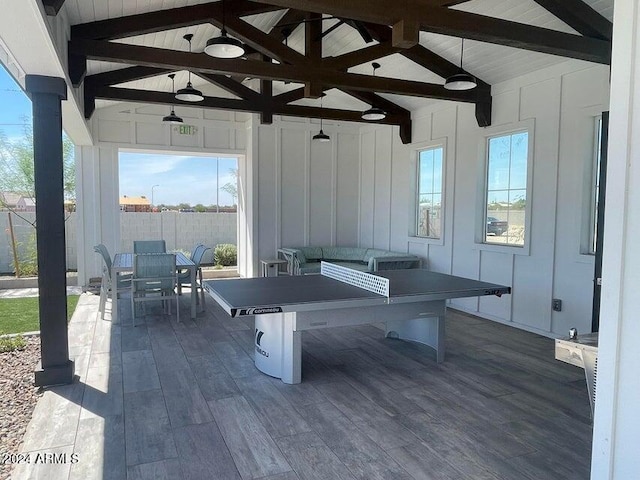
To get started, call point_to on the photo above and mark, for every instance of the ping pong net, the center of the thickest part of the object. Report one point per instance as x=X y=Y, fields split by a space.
x=366 y=281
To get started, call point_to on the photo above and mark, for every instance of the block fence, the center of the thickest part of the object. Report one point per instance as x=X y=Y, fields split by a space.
x=181 y=231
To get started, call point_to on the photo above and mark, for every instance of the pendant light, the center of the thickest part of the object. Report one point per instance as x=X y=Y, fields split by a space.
x=321 y=136
x=461 y=80
x=374 y=113
x=224 y=46
x=188 y=93
x=172 y=117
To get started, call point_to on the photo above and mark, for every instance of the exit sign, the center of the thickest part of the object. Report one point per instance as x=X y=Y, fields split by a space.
x=186 y=129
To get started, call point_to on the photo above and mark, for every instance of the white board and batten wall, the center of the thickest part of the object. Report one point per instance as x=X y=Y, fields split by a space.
x=559 y=105
x=140 y=128
x=357 y=189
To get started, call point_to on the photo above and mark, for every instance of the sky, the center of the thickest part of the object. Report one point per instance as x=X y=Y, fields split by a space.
x=180 y=179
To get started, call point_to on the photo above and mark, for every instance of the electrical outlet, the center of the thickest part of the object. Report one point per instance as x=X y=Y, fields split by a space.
x=556 y=305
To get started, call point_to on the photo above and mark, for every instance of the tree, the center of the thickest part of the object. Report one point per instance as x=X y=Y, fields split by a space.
x=232 y=188
x=200 y=208
x=17 y=168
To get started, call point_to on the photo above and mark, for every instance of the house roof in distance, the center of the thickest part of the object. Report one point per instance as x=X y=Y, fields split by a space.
x=125 y=200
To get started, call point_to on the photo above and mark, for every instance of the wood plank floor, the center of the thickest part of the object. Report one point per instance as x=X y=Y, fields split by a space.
x=168 y=400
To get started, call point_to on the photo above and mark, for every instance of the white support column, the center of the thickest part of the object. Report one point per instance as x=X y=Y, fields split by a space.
x=98 y=211
x=617 y=421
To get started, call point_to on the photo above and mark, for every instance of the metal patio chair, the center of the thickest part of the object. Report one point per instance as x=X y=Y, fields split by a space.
x=149 y=246
x=122 y=284
x=185 y=279
x=154 y=274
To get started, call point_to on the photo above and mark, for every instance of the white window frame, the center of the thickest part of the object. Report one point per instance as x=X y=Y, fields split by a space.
x=593 y=187
x=481 y=197
x=413 y=203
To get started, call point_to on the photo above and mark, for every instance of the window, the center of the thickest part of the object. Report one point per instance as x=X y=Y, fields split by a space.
x=506 y=189
x=595 y=185
x=429 y=193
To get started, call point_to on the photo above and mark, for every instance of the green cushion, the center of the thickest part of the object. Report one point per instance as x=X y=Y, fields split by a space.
x=351 y=254
x=355 y=266
x=313 y=267
x=312 y=253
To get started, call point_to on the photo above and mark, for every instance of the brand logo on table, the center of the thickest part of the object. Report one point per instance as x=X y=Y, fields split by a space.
x=255 y=311
x=259 y=335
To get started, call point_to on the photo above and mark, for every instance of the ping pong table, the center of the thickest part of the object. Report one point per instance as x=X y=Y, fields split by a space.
x=411 y=304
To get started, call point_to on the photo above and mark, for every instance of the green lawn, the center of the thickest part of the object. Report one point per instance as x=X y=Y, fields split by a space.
x=19 y=315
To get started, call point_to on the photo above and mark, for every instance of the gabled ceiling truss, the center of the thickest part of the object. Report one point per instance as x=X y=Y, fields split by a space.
x=269 y=58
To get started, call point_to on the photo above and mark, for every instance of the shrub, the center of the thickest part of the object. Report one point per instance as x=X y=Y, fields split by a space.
x=9 y=344
x=226 y=254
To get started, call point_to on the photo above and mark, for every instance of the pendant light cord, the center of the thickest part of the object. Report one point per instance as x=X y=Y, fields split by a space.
x=461 y=52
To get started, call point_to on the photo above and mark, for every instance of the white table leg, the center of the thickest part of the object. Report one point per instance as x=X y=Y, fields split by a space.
x=291 y=351
x=427 y=328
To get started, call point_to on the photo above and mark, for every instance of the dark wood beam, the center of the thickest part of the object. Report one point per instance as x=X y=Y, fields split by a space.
x=423 y=56
x=579 y=16
x=288 y=23
x=77 y=68
x=290 y=96
x=406 y=33
x=168 y=19
x=262 y=42
x=122 y=75
x=164 y=98
x=230 y=85
x=266 y=92
x=461 y=24
x=363 y=55
x=179 y=60
x=52 y=7
x=313 y=51
x=483 y=113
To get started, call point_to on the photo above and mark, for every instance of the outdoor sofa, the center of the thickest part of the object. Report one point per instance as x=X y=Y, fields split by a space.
x=305 y=260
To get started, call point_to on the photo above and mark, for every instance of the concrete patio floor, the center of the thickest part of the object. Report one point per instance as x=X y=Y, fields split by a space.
x=168 y=400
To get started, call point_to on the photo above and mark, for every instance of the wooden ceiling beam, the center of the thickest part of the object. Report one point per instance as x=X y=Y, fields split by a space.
x=457 y=23
x=406 y=33
x=290 y=96
x=288 y=23
x=168 y=19
x=358 y=57
x=230 y=85
x=165 y=98
x=313 y=51
x=122 y=75
x=579 y=16
x=179 y=60
x=423 y=56
x=52 y=7
x=262 y=42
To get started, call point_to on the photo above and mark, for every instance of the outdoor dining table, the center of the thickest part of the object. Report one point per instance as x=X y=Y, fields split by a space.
x=123 y=263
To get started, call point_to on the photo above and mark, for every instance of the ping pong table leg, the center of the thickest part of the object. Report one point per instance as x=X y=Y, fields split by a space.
x=427 y=327
x=291 y=351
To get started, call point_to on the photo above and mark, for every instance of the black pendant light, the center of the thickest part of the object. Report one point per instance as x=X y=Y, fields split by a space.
x=224 y=46
x=188 y=93
x=374 y=113
x=321 y=136
x=461 y=80
x=172 y=117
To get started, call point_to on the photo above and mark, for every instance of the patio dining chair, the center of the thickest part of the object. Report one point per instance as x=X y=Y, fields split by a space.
x=184 y=277
x=149 y=246
x=122 y=284
x=153 y=275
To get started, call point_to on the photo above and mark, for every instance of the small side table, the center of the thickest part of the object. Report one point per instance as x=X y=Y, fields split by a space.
x=271 y=267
